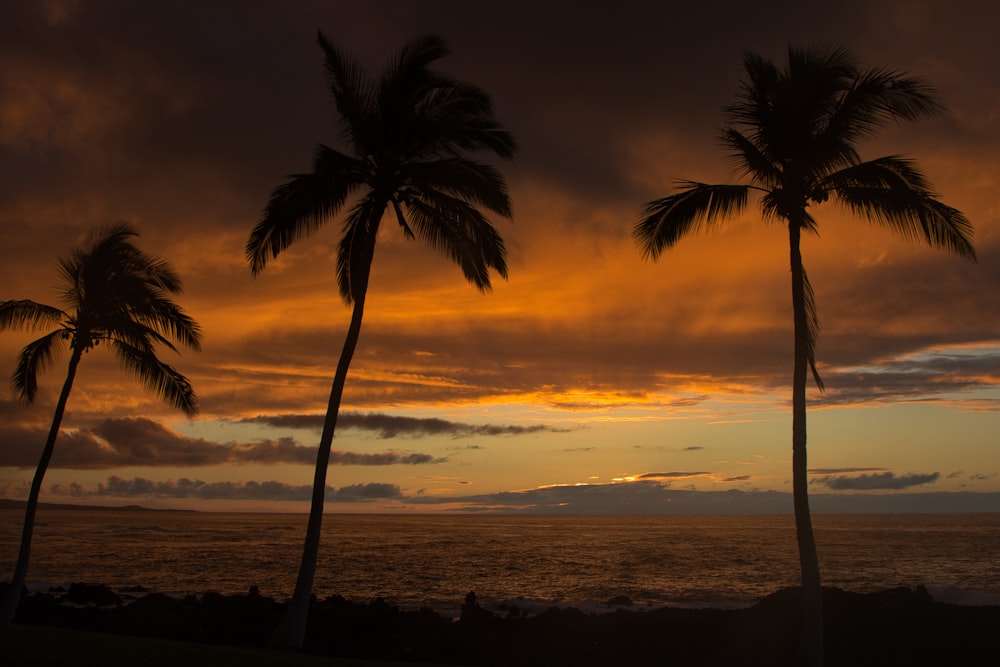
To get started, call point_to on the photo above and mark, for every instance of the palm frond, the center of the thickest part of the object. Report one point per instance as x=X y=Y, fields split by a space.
x=824 y=64
x=750 y=159
x=470 y=180
x=159 y=274
x=35 y=358
x=894 y=193
x=753 y=104
x=353 y=93
x=401 y=219
x=812 y=328
x=303 y=204
x=168 y=319
x=875 y=98
x=454 y=227
x=412 y=60
x=158 y=377
x=665 y=221
x=407 y=80
x=25 y=314
x=356 y=248
x=457 y=116
x=904 y=97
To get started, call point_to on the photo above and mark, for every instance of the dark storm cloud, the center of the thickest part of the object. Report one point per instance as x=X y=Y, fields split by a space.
x=100 y=98
x=121 y=93
x=116 y=443
x=389 y=426
x=876 y=481
x=139 y=487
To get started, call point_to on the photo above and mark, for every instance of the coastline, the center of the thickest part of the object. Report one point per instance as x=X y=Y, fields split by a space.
x=10 y=504
x=901 y=626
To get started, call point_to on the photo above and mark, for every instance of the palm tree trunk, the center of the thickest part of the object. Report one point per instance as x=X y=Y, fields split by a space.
x=291 y=630
x=12 y=595
x=811 y=648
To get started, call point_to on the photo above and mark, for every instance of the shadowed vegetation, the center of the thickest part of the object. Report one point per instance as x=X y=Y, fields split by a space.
x=37 y=646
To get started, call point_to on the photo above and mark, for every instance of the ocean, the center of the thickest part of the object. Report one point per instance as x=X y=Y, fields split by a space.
x=534 y=562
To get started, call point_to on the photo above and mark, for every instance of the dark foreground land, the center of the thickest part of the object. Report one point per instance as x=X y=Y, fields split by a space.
x=895 y=627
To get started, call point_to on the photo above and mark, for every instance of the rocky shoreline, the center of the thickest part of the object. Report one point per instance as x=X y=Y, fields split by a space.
x=895 y=627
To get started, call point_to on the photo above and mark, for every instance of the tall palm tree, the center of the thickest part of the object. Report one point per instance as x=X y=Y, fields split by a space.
x=794 y=132
x=114 y=293
x=408 y=133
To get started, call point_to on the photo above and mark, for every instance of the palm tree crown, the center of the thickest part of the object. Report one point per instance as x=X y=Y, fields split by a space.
x=408 y=132
x=794 y=133
x=114 y=293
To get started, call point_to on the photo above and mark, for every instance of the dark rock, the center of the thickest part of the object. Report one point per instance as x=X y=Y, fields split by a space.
x=620 y=601
x=95 y=594
x=885 y=629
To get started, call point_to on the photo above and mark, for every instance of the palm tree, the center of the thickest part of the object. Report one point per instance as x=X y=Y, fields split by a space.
x=794 y=133
x=408 y=134
x=113 y=293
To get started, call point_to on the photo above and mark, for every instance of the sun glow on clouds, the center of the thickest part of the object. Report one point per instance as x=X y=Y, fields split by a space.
x=679 y=365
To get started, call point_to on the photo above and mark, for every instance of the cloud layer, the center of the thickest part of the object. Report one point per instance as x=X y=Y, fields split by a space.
x=393 y=426
x=876 y=481
x=131 y=442
x=183 y=118
x=138 y=488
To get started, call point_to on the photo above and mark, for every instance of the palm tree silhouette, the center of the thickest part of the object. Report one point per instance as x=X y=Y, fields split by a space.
x=408 y=133
x=794 y=133
x=113 y=293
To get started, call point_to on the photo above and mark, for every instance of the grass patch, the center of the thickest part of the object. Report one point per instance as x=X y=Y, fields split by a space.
x=40 y=646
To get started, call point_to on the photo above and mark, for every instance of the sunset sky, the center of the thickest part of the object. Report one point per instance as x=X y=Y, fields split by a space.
x=590 y=380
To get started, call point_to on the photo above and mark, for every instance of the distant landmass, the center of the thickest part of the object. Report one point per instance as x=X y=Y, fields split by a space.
x=10 y=504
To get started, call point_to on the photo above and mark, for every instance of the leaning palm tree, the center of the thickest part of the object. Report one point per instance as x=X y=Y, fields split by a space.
x=794 y=133
x=408 y=135
x=114 y=293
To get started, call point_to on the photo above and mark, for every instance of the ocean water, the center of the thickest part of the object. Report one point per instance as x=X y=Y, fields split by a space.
x=532 y=561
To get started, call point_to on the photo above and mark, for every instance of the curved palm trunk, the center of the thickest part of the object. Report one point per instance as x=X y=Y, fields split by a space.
x=291 y=630
x=12 y=595
x=811 y=648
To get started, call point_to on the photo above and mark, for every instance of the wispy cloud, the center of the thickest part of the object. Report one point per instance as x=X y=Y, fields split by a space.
x=876 y=481
x=116 y=443
x=671 y=475
x=392 y=426
x=932 y=374
x=843 y=471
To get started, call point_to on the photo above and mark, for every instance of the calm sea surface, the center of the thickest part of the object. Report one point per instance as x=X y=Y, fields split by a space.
x=534 y=561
